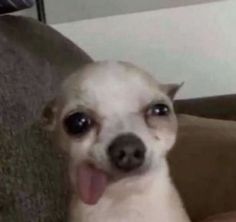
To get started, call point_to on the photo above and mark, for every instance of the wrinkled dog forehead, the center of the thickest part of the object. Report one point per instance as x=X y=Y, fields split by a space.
x=112 y=87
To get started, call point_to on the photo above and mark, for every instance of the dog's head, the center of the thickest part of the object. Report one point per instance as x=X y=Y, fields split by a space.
x=114 y=120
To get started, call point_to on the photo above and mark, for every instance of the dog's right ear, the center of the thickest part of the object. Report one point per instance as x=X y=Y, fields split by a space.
x=48 y=117
x=171 y=89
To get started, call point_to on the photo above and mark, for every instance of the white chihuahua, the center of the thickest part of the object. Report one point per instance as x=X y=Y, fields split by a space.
x=117 y=123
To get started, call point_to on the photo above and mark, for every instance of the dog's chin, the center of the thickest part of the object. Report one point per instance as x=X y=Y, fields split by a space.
x=116 y=175
x=92 y=181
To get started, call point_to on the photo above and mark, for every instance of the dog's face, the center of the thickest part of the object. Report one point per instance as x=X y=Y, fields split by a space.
x=113 y=118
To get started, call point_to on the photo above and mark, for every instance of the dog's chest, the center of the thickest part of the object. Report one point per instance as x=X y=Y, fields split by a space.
x=123 y=211
x=136 y=208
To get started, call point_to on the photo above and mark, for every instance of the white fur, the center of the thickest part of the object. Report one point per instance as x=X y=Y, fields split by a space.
x=118 y=92
x=151 y=198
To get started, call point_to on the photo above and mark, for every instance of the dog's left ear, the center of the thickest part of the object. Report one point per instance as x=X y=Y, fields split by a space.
x=48 y=116
x=171 y=89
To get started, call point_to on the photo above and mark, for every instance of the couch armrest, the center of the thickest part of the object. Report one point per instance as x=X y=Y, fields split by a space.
x=216 y=107
x=34 y=60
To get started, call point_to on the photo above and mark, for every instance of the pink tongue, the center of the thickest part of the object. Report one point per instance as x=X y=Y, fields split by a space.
x=92 y=183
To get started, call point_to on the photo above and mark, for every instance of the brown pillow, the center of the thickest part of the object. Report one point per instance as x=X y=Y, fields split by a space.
x=203 y=165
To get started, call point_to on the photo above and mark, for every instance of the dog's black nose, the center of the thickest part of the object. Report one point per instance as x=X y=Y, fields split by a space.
x=127 y=152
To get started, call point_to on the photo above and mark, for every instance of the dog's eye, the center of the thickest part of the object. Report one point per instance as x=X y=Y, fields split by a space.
x=158 y=109
x=78 y=124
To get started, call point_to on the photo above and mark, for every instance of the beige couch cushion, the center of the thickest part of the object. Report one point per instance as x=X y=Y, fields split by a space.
x=203 y=165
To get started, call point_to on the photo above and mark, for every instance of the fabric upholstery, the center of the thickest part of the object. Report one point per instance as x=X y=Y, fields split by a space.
x=203 y=165
x=215 y=107
x=34 y=59
x=14 y=5
x=33 y=179
x=225 y=217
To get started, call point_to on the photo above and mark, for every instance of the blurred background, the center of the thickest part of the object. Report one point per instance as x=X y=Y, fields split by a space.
x=177 y=40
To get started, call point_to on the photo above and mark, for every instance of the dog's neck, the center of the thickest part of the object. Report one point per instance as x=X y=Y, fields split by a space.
x=147 y=198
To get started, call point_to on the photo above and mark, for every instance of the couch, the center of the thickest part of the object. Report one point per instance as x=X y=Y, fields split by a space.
x=15 y=5
x=34 y=59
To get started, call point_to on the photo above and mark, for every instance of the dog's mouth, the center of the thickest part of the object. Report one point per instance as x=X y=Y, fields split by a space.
x=91 y=183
